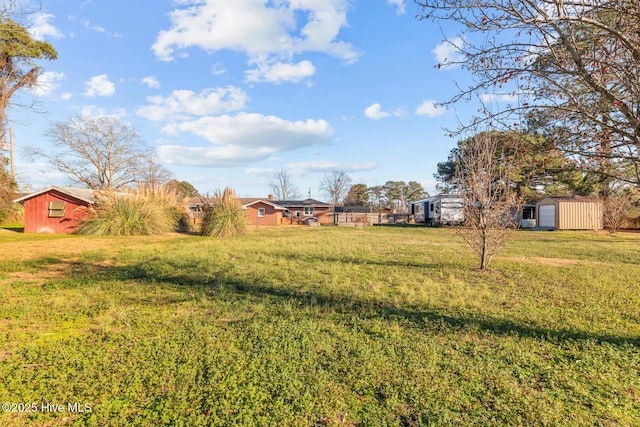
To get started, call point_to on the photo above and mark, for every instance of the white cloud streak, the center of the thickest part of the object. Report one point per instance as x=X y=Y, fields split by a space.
x=242 y=139
x=48 y=82
x=375 y=112
x=399 y=5
x=448 y=53
x=150 y=81
x=99 y=86
x=489 y=98
x=281 y=72
x=187 y=104
x=40 y=28
x=430 y=108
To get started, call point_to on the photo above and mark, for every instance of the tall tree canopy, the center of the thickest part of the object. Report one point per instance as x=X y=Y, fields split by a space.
x=101 y=153
x=18 y=53
x=574 y=62
x=398 y=194
x=538 y=168
x=358 y=195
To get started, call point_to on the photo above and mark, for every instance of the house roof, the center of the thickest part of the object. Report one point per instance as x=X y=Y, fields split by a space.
x=266 y=202
x=352 y=209
x=84 y=194
x=301 y=203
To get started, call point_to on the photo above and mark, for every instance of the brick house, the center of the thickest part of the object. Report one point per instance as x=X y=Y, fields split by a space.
x=267 y=211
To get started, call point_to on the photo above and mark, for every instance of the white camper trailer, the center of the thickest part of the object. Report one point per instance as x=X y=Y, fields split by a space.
x=443 y=209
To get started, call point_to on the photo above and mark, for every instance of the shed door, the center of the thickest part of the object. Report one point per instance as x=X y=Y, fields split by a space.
x=547 y=216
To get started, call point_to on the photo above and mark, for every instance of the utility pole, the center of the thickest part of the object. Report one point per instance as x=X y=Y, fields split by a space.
x=13 y=175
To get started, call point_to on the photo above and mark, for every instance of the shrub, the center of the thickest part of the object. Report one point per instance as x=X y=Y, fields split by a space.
x=615 y=209
x=224 y=216
x=148 y=210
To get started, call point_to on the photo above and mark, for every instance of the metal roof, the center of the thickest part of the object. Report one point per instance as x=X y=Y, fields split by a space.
x=84 y=194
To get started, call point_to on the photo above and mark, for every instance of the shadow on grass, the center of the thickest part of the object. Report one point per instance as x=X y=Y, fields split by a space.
x=385 y=262
x=416 y=316
x=14 y=229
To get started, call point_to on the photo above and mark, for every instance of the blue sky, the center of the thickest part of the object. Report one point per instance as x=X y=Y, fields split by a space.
x=229 y=92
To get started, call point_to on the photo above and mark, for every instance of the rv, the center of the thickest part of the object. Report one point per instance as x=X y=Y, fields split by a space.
x=443 y=209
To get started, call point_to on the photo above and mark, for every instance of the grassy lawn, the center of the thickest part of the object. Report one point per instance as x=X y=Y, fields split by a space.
x=320 y=326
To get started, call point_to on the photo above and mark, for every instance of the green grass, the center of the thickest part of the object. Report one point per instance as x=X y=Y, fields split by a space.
x=324 y=326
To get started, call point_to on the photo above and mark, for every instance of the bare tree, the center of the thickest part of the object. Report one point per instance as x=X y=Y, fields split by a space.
x=573 y=63
x=100 y=153
x=491 y=203
x=615 y=208
x=152 y=173
x=283 y=187
x=335 y=186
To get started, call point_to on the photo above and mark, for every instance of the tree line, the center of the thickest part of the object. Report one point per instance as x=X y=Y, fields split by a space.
x=338 y=189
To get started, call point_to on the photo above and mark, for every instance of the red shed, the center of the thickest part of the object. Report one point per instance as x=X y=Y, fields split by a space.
x=55 y=209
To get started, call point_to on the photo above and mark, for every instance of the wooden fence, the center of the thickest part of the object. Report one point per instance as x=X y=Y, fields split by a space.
x=364 y=219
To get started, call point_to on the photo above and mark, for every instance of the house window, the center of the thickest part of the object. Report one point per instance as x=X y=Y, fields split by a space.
x=56 y=209
x=298 y=214
x=261 y=212
x=308 y=211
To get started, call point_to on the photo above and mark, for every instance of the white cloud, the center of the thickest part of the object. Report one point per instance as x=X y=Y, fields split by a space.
x=281 y=72
x=150 y=81
x=489 y=98
x=324 y=166
x=98 y=28
x=242 y=139
x=264 y=31
x=399 y=5
x=218 y=69
x=211 y=156
x=313 y=166
x=374 y=112
x=430 y=109
x=257 y=130
x=95 y=111
x=262 y=172
x=186 y=104
x=99 y=86
x=41 y=28
x=448 y=54
x=66 y=96
x=48 y=82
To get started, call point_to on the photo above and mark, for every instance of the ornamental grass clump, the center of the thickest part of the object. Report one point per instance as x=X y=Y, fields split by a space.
x=145 y=211
x=224 y=216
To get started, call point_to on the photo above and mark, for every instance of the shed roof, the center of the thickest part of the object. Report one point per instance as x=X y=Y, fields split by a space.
x=84 y=194
x=562 y=199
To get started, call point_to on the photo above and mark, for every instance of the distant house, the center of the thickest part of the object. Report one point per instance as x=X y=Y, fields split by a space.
x=264 y=212
x=56 y=209
x=267 y=211
x=570 y=213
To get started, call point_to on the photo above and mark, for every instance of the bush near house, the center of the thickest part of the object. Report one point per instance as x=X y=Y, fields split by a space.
x=146 y=211
x=224 y=216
